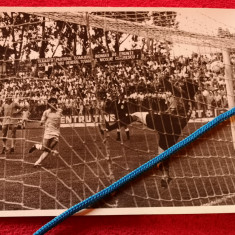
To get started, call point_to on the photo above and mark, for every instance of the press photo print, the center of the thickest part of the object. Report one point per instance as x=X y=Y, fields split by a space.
x=90 y=94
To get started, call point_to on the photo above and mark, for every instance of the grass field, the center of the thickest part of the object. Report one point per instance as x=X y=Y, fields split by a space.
x=203 y=173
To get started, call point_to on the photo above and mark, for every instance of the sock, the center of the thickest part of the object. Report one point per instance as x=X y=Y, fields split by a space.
x=4 y=144
x=118 y=135
x=160 y=150
x=159 y=165
x=13 y=143
x=127 y=133
x=41 y=158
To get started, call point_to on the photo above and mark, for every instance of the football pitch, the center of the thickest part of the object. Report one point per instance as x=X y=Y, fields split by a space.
x=202 y=174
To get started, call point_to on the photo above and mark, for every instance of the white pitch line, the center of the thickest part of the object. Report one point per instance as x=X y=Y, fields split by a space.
x=218 y=201
x=22 y=175
x=53 y=169
x=65 y=168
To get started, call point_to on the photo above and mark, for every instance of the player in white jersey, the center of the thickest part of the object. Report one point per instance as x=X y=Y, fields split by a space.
x=25 y=114
x=51 y=120
x=11 y=112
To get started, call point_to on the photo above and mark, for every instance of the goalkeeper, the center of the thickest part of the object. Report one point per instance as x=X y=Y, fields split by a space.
x=51 y=120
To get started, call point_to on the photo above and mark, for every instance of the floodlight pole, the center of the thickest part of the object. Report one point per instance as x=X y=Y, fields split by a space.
x=229 y=88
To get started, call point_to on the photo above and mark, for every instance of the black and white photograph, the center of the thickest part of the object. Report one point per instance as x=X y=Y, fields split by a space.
x=87 y=95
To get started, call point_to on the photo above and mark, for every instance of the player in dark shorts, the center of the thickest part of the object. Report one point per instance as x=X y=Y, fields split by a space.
x=121 y=112
x=169 y=123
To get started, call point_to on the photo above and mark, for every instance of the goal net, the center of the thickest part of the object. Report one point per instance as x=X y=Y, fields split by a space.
x=130 y=85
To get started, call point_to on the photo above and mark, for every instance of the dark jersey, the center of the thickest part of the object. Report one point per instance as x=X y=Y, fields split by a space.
x=170 y=124
x=120 y=109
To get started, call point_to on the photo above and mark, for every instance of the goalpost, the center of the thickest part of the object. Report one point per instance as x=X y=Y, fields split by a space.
x=154 y=32
x=229 y=87
x=84 y=67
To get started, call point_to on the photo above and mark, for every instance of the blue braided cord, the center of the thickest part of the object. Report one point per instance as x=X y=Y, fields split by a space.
x=140 y=170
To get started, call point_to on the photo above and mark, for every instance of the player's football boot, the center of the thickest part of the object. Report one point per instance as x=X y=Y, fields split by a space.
x=37 y=165
x=54 y=153
x=165 y=182
x=4 y=150
x=33 y=148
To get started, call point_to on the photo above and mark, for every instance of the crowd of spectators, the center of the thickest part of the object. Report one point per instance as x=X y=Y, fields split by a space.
x=83 y=90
